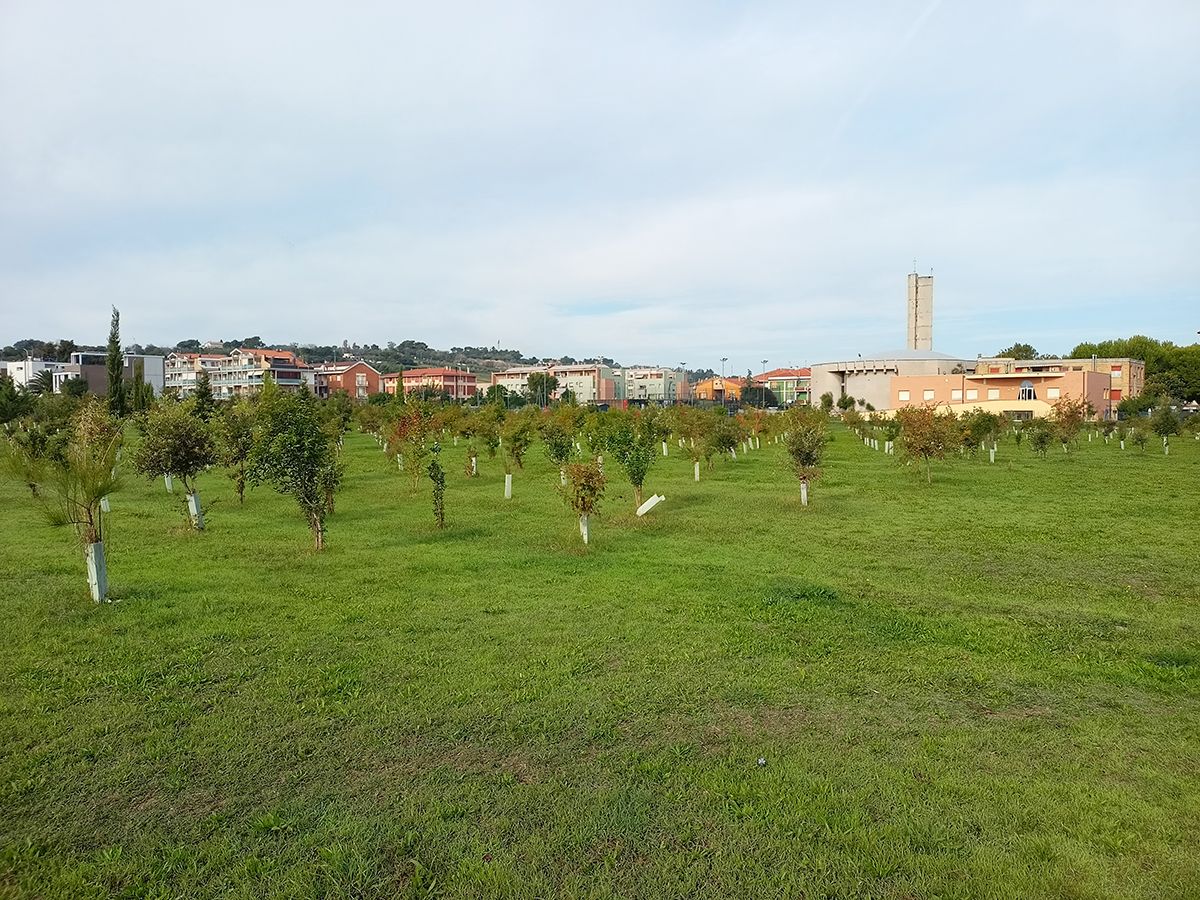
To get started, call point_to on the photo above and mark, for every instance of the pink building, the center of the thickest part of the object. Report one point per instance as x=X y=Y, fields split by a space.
x=1020 y=393
x=458 y=384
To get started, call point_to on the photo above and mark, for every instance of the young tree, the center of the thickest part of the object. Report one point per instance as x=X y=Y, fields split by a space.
x=72 y=481
x=805 y=445
x=1041 y=433
x=234 y=432
x=41 y=383
x=115 y=365
x=925 y=435
x=203 y=404
x=1069 y=414
x=180 y=444
x=558 y=436
x=438 y=477
x=13 y=403
x=845 y=402
x=1164 y=422
x=633 y=441
x=293 y=455
x=827 y=402
x=519 y=429
x=583 y=490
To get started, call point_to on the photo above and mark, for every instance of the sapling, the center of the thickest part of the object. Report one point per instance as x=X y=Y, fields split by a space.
x=179 y=443
x=805 y=446
x=583 y=490
x=72 y=483
x=633 y=441
x=234 y=430
x=438 y=477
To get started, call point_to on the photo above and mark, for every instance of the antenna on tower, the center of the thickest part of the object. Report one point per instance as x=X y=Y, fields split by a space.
x=914 y=264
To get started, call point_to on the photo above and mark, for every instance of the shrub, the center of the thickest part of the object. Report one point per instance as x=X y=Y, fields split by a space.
x=925 y=435
x=176 y=442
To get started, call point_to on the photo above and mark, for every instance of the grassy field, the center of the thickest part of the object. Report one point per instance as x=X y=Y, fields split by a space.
x=987 y=686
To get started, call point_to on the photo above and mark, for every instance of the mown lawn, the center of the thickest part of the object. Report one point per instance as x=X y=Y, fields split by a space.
x=989 y=686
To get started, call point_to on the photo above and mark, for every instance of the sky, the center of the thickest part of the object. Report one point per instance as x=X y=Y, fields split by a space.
x=655 y=182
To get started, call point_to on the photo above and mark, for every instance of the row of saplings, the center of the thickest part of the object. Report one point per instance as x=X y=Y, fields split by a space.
x=287 y=440
x=578 y=441
x=293 y=442
x=926 y=433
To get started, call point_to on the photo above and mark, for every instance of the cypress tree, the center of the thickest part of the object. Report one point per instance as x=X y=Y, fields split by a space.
x=203 y=404
x=115 y=364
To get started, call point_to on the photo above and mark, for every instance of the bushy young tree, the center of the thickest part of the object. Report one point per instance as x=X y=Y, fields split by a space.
x=925 y=435
x=409 y=439
x=518 y=430
x=558 y=437
x=845 y=402
x=583 y=490
x=1165 y=422
x=633 y=440
x=14 y=403
x=827 y=402
x=178 y=443
x=1041 y=434
x=540 y=388
x=1069 y=414
x=293 y=455
x=805 y=444
x=234 y=433
x=71 y=482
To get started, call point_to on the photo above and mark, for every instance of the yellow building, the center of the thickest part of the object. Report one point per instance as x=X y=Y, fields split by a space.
x=718 y=389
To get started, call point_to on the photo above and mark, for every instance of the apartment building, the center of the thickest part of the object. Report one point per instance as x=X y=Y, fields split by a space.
x=649 y=384
x=237 y=374
x=458 y=384
x=358 y=379
x=588 y=382
x=92 y=367
x=788 y=385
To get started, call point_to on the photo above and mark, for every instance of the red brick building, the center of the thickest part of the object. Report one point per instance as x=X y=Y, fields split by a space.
x=358 y=379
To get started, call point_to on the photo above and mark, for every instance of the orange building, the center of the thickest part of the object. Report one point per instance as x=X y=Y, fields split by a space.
x=718 y=389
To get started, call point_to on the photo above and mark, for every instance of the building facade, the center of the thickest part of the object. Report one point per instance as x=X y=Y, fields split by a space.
x=870 y=378
x=1126 y=377
x=238 y=374
x=718 y=389
x=790 y=386
x=589 y=383
x=1015 y=394
x=649 y=384
x=358 y=379
x=458 y=384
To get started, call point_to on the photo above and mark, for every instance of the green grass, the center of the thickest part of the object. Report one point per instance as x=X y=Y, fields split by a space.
x=989 y=686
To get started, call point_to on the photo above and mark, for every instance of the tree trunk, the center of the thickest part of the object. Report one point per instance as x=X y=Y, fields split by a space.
x=637 y=496
x=318 y=530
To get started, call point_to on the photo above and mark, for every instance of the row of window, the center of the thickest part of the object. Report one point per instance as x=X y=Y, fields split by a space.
x=1026 y=392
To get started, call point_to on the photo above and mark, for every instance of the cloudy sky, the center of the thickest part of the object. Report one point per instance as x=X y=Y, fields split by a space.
x=658 y=182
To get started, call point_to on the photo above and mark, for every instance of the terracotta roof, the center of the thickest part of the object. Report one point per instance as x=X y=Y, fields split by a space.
x=434 y=372
x=784 y=373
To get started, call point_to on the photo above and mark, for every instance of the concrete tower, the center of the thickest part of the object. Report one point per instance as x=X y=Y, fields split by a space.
x=920 y=312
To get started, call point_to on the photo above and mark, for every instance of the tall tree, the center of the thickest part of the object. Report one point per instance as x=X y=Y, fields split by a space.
x=115 y=364
x=203 y=404
x=1019 y=351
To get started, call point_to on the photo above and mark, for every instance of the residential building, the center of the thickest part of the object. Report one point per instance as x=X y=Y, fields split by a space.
x=237 y=374
x=1015 y=394
x=789 y=386
x=23 y=371
x=358 y=379
x=589 y=383
x=718 y=390
x=92 y=367
x=651 y=384
x=1126 y=377
x=458 y=384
